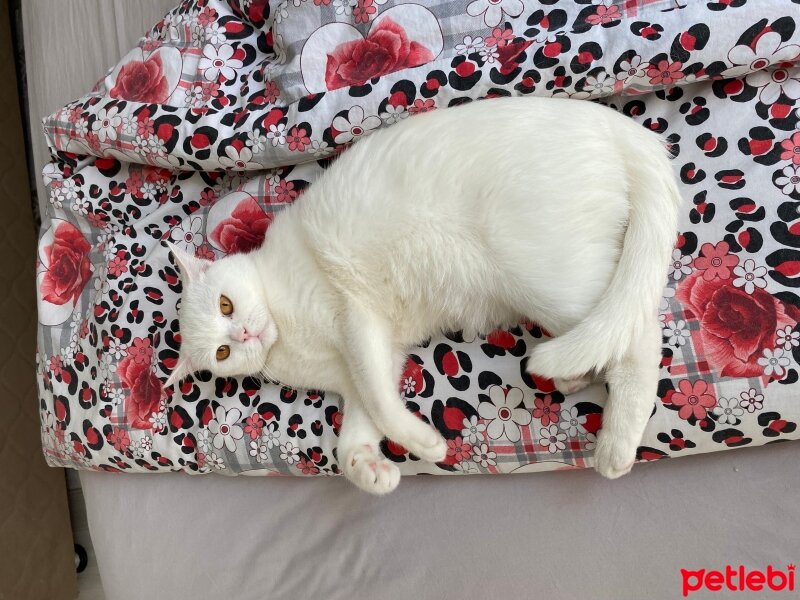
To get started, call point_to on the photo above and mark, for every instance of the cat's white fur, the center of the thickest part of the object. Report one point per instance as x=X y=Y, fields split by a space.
x=558 y=211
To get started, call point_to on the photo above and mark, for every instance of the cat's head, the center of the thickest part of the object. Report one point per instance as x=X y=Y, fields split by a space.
x=225 y=325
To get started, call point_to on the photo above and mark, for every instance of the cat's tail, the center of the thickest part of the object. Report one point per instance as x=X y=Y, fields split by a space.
x=630 y=304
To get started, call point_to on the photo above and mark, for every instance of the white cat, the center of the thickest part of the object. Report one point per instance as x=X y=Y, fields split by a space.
x=558 y=211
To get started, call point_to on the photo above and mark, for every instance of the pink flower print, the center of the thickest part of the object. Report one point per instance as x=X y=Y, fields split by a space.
x=145 y=126
x=459 y=449
x=420 y=106
x=791 y=149
x=120 y=439
x=604 y=14
x=206 y=16
x=271 y=92
x=298 y=139
x=716 y=261
x=207 y=197
x=307 y=467
x=285 y=191
x=254 y=425
x=665 y=73
x=97 y=220
x=118 y=265
x=694 y=399
x=500 y=37
x=205 y=252
x=546 y=410
x=363 y=11
x=141 y=350
x=133 y=183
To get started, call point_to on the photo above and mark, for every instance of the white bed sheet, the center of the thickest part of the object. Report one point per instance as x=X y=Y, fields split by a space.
x=561 y=535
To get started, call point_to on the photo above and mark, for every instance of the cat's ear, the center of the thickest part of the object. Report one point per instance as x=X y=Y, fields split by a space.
x=191 y=267
x=183 y=368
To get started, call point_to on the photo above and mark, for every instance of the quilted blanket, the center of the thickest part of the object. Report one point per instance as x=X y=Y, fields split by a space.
x=228 y=110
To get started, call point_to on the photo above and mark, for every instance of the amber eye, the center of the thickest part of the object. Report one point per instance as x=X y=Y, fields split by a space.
x=223 y=352
x=225 y=305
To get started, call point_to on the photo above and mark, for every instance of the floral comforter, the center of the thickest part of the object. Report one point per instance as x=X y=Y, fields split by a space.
x=228 y=110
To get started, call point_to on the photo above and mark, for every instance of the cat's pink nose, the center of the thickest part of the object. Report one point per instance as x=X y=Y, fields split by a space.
x=242 y=335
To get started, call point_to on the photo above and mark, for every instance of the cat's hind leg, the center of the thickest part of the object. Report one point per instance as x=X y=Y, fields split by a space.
x=633 y=387
x=360 y=455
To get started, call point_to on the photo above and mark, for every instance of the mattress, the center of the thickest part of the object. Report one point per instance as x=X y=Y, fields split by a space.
x=134 y=167
x=550 y=536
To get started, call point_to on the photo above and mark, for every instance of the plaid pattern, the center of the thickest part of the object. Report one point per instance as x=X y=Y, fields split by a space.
x=106 y=338
x=634 y=7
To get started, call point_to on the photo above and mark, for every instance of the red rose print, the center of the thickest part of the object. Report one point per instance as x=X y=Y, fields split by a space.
x=145 y=394
x=142 y=81
x=385 y=49
x=68 y=266
x=244 y=230
x=735 y=327
x=694 y=399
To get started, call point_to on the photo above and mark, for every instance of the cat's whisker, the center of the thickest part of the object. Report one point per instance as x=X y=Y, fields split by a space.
x=264 y=371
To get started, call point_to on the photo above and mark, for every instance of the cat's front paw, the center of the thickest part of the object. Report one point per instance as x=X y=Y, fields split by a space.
x=570 y=386
x=433 y=451
x=614 y=455
x=367 y=469
x=421 y=440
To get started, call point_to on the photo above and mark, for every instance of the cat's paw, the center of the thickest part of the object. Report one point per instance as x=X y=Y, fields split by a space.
x=420 y=439
x=570 y=386
x=433 y=449
x=614 y=455
x=367 y=469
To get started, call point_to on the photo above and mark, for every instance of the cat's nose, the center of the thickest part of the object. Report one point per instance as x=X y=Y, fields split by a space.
x=242 y=335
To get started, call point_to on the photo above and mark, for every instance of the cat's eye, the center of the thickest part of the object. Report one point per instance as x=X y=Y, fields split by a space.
x=225 y=306
x=223 y=352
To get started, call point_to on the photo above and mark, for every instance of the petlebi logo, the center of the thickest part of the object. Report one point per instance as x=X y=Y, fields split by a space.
x=739 y=579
